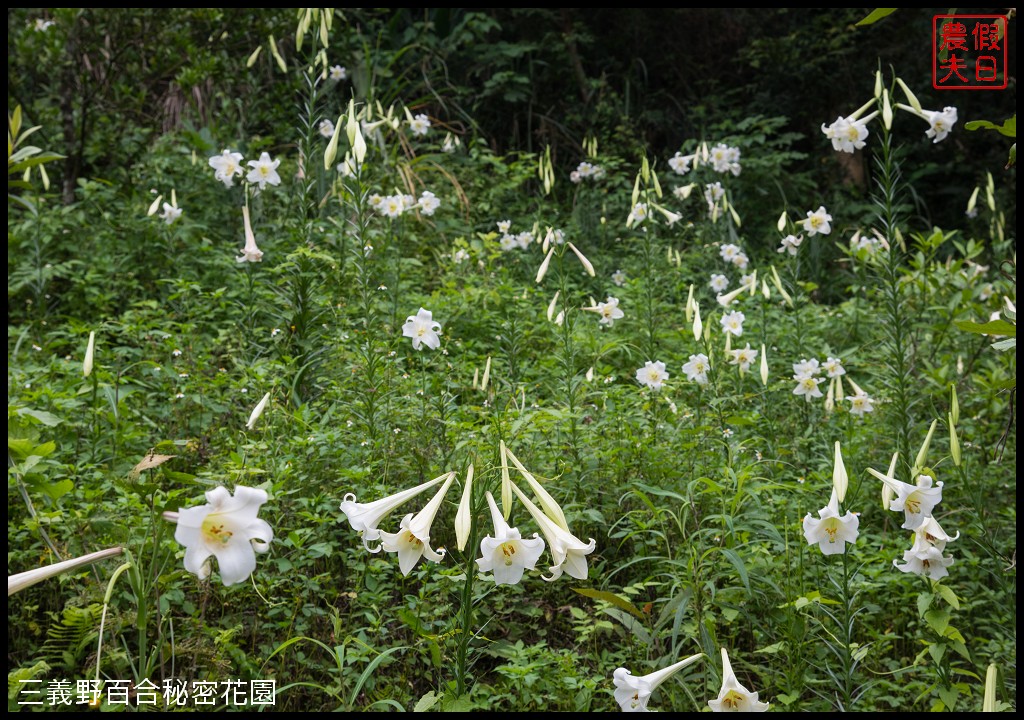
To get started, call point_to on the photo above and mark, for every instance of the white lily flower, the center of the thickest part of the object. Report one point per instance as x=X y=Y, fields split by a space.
x=697 y=368
x=933 y=533
x=568 y=552
x=19 y=581
x=916 y=501
x=364 y=517
x=543 y=269
x=732 y=323
x=743 y=357
x=264 y=171
x=680 y=163
x=817 y=222
x=551 y=508
x=226 y=166
x=171 y=214
x=412 y=541
x=790 y=244
x=250 y=253
x=423 y=330
x=860 y=404
x=808 y=387
x=419 y=125
x=506 y=554
x=226 y=528
x=652 y=374
x=830 y=531
x=924 y=559
x=632 y=692
x=608 y=310
x=719 y=283
x=733 y=697
x=428 y=203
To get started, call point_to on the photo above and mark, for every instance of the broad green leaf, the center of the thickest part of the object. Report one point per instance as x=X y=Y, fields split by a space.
x=1008 y=128
x=938 y=620
x=993 y=327
x=48 y=419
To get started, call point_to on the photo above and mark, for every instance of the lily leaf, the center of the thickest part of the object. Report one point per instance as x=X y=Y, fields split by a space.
x=612 y=598
x=876 y=15
x=1008 y=128
x=993 y=327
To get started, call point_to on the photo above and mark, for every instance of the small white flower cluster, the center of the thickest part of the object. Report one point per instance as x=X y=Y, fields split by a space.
x=521 y=241
x=917 y=502
x=806 y=374
x=868 y=245
x=228 y=165
x=732 y=253
x=586 y=171
x=505 y=554
x=725 y=158
x=394 y=206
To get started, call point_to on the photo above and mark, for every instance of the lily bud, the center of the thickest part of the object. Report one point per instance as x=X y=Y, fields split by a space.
x=551 y=306
x=878 y=84
x=911 y=98
x=781 y=224
x=698 y=326
x=487 y=374
x=954 y=406
x=252 y=58
x=257 y=411
x=689 y=305
x=887 y=492
x=886 y=110
x=506 y=482
x=463 y=517
x=954 y=442
x=764 y=366
x=543 y=269
x=922 y=454
x=586 y=263
x=840 y=480
x=90 y=351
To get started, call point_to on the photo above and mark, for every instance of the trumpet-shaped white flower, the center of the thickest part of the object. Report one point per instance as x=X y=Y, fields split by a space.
x=806 y=368
x=848 y=134
x=808 y=387
x=713 y=192
x=423 y=330
x=250 y=253
x=568 y=551
x=364 y=517
x=697 y=368
x=326 y=128
x=170 y=214
x=338 y=73
x=741 y=261
x=608 y=310
x=817 y=222
x=830 y=531
x=524 y=239
x=652 y=374
x=732 y=323
x=506 y=553
x=790 y=244
x=638 y=214
x=916 y=501
x=744 y=357
x=428 y=203
x=619 y=278
x=719 y=283
x=633 y=692
x=226 y=166
x=924 y=558
x=420 y=125
x=412 y=541
x=861 y=403
x=504 y=226
x=940 y=122
x=680 y=163
x=226 y=528
x=933 y=533
x=834 y=367
x=264 y=171
x=729 y=251
x=733 y=697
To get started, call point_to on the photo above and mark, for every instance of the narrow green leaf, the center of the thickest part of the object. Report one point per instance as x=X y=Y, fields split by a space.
x=876 y=15
x=612 y=598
